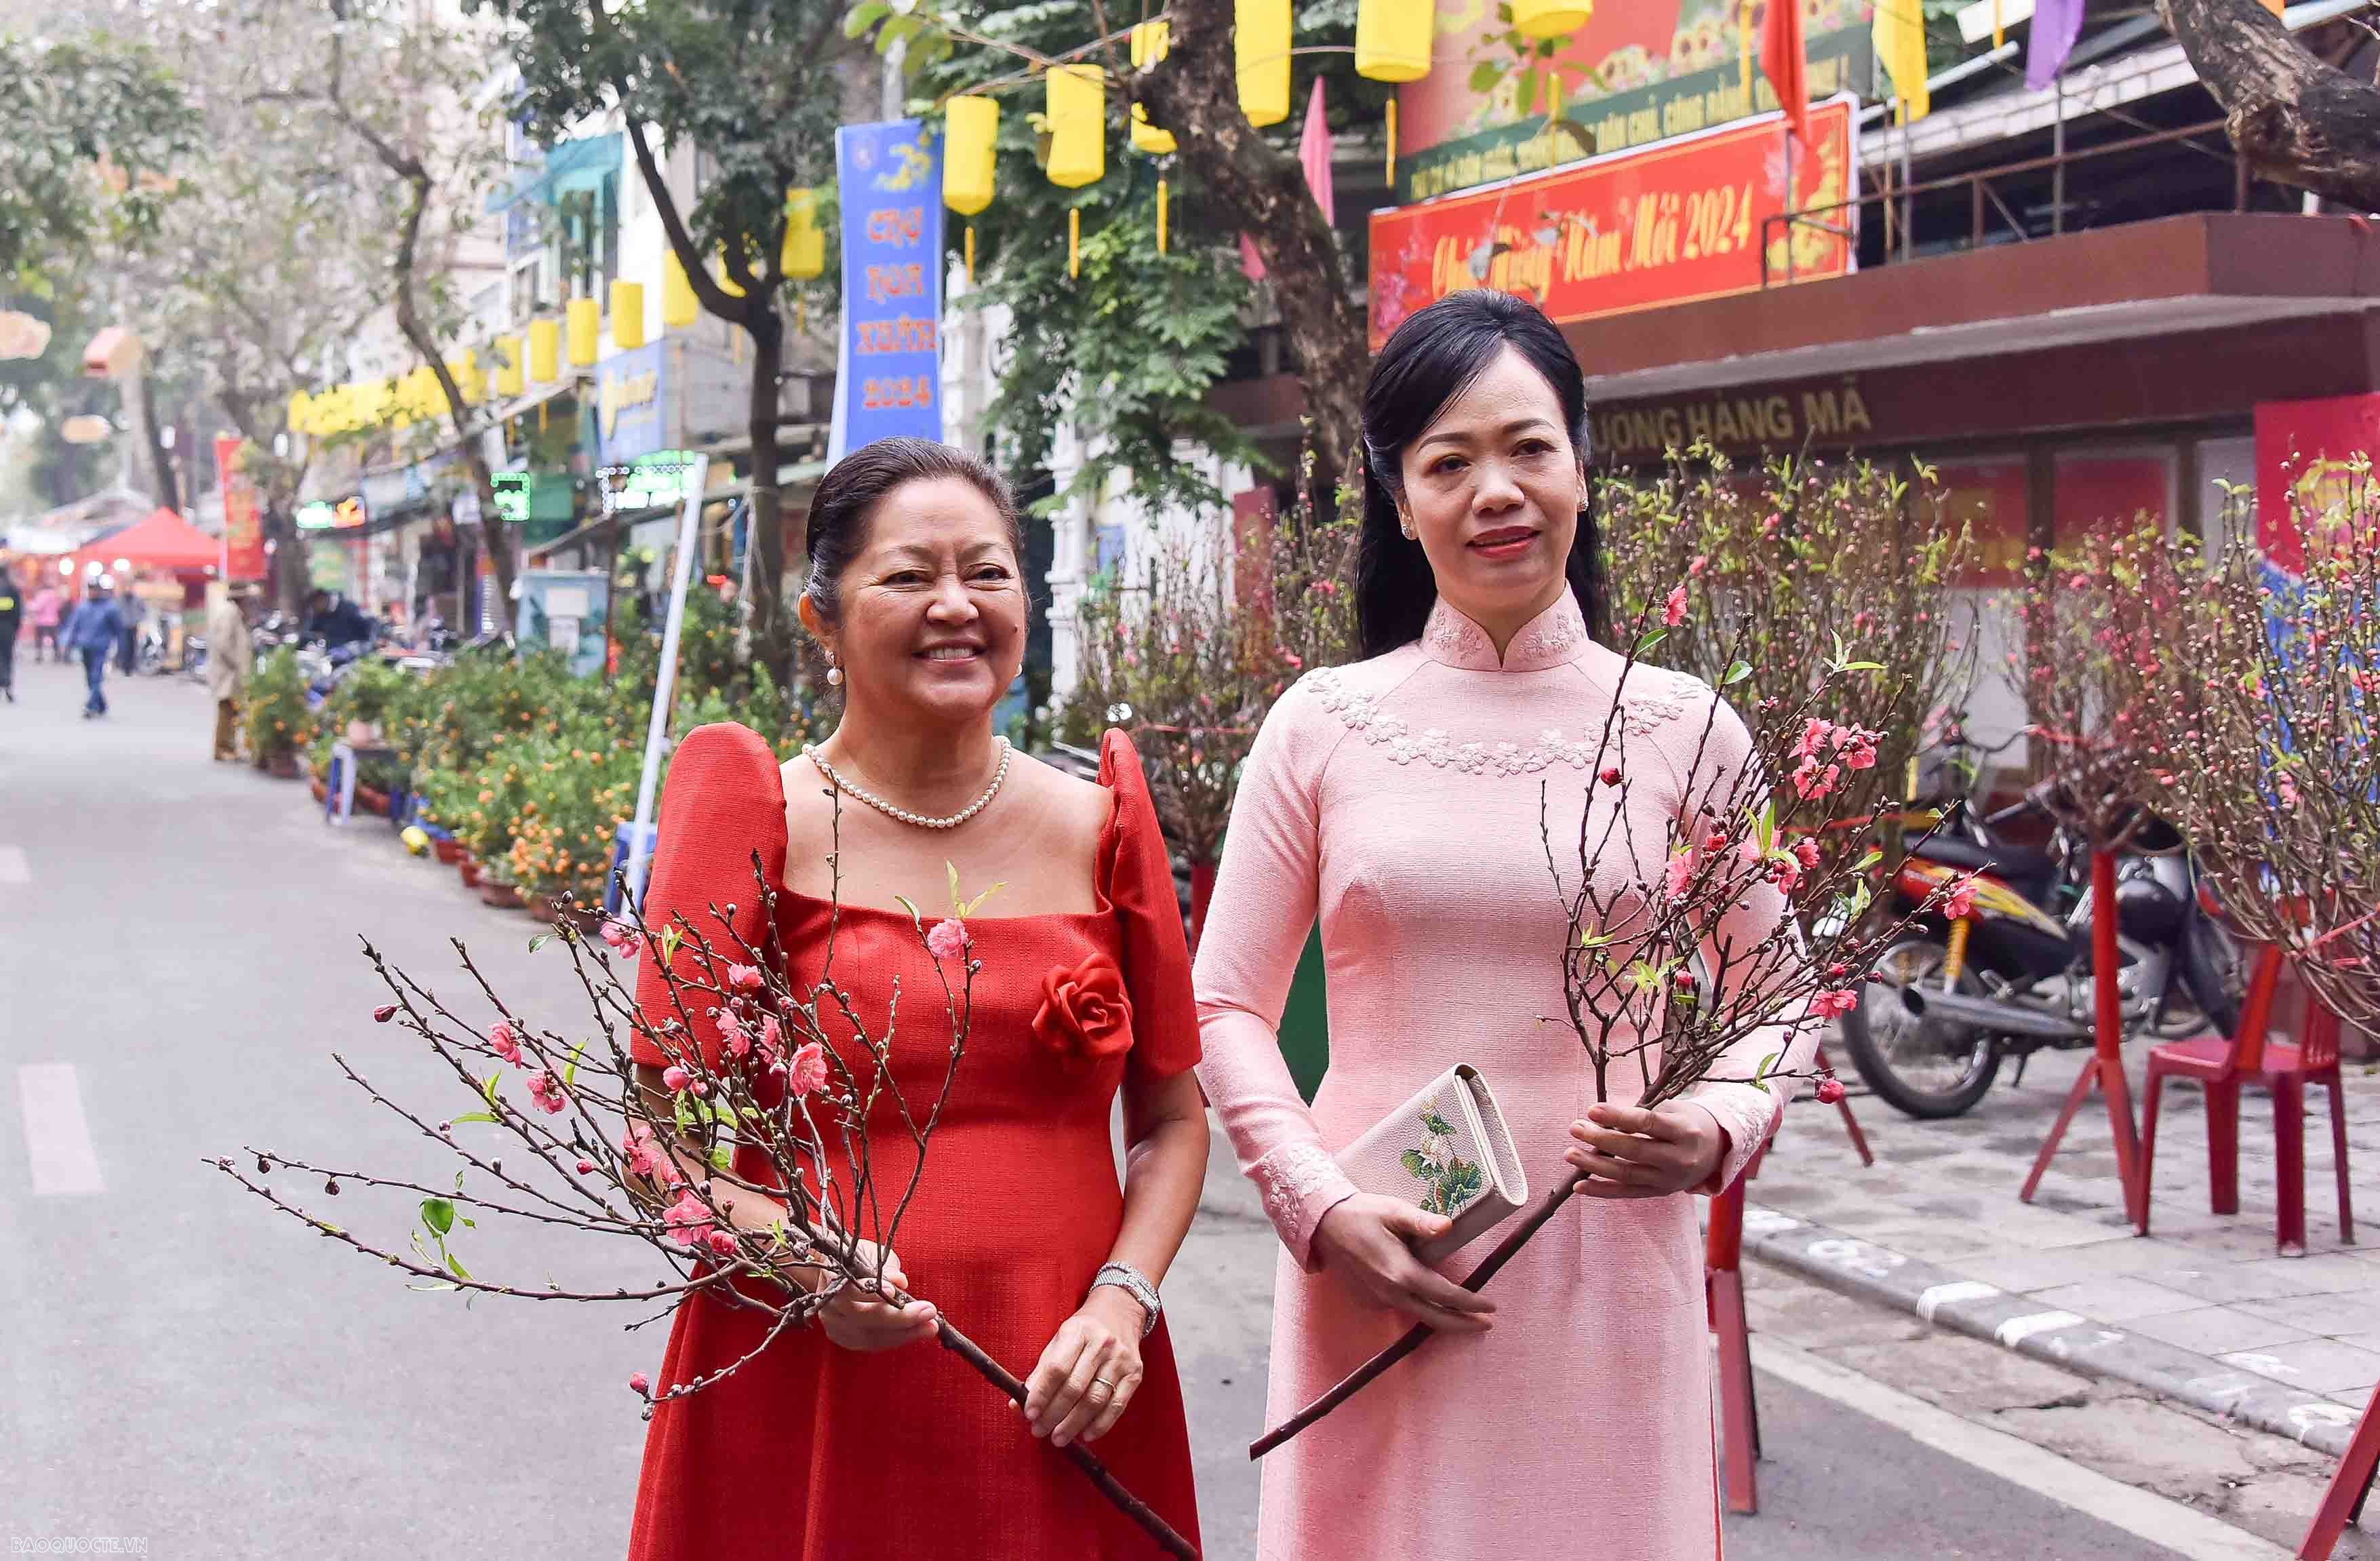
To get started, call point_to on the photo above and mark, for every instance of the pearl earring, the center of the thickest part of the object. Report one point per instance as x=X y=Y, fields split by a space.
x=834 y=675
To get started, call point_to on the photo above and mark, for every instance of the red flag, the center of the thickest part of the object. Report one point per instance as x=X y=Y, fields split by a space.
x=1787 y=64
x=1314 y=154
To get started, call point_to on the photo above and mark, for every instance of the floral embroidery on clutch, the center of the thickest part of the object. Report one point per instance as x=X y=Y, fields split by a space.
x=1085 y=1017
x=1449 y=1181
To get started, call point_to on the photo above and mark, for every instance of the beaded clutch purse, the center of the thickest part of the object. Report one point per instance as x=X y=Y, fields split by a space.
x=1446 y=1151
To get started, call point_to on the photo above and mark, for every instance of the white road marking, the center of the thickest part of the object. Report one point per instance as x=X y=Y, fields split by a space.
x=1936 y=1295
x=57 y=1138
x=2016 y=1330
x=2142 y=1514
x=14 y=868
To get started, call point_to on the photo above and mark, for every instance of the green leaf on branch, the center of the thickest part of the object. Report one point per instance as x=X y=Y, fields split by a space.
x=670 y=939
x=438 y=1215
x=475 y=1116
x=1736 y=674
x=570 y=1073
x=489 y=1089
x=1485 y=74
x=455 y=1266
x=539 y=942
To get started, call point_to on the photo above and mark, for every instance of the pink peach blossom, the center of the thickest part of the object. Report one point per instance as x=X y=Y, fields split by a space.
x=948 y=940
x=1807 y=853
x=623 y=939
x=1961 y=903
x=1681 y=870
x=732 y=1032
x=1830 y=1004
x=546 y=1091
x=504 y=1041
x=1673 y=610
x=744 y=978
x=687 y=1219
x=1829 y=1091
x=721 y=1242
x=675 y=1078
x=639 y=1384
x=808 y=1073
x=771 y=1042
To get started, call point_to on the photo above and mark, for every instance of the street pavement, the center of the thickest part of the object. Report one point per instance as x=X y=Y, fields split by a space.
x=178 y=1364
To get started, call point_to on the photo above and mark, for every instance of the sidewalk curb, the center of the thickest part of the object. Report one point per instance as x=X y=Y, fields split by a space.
x=1947 y=1299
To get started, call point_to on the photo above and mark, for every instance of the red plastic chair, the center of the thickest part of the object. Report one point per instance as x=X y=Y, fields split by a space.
x=1723 y=1295
x=2343 y=1502
x=2221 y=1064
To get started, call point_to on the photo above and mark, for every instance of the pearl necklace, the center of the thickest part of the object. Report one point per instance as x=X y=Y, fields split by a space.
x=904 y=814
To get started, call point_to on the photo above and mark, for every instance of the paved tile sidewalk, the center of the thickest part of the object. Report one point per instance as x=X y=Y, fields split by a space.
x=2201 y=1309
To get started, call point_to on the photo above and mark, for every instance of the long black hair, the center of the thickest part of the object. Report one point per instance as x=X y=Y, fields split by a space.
x=1429 y=360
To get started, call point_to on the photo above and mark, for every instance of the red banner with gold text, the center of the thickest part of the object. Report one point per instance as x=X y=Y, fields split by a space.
x=243 y=526
x=1667 y=224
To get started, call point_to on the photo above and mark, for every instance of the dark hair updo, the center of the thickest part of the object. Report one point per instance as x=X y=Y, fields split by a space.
x=1429 y=360
x=847 y=498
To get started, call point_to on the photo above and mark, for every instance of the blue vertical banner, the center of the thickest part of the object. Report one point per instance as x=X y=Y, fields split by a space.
x=889 y=357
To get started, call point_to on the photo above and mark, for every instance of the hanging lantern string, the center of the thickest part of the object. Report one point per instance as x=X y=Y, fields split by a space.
x=1078 y=55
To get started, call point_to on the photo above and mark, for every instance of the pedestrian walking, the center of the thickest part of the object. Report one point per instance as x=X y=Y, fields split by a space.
x=133 y=610
x=1570 y=1414
x=49 y=605
x=230 y=652
x=92 y=633
x=12 y=618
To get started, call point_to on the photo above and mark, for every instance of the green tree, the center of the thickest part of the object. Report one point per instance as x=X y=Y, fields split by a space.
x=90 y=130
x=1126 y=351
x=756 y=87
x=1236 y=177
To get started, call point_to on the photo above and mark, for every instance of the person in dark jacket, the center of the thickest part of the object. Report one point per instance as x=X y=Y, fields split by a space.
x=336 y=621
x=12 y=615
x=93 y=633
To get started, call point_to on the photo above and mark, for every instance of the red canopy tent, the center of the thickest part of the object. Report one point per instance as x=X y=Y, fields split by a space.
x=163 y=541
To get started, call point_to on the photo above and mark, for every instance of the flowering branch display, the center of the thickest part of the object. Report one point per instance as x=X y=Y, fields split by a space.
x=776 y=1114
x=1715 y=954
x=2266 y=734
x=1189 y=651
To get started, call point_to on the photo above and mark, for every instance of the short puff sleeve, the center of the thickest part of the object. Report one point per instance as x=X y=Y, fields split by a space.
x=1148 y=919
x=725 y=801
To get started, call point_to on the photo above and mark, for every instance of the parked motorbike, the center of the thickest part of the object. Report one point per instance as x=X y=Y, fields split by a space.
x=2014 y=975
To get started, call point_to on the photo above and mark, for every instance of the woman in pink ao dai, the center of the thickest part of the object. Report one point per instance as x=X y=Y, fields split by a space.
x=1566 y=1412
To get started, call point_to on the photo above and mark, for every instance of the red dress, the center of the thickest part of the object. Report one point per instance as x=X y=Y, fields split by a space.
x=814 y=1453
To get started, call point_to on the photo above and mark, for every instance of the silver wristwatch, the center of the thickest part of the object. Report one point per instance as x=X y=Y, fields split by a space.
x=1134 y=1282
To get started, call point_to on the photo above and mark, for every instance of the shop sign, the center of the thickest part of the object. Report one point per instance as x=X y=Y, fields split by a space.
x=244 y=557
x=631 y=401
x=325 y=515
x=1633 y=112
x=647 y=482
x=888 y=382
x=2306 y=452
x=1668 y=224
x=512 y=493
x=1639 y=71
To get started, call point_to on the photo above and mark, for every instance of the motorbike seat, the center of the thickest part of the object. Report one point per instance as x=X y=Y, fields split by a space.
x=2029 y=872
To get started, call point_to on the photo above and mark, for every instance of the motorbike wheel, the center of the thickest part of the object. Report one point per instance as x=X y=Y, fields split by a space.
x=1927 y=1068
x=2214 y=974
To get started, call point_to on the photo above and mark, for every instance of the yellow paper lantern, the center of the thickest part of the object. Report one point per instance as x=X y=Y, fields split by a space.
x=627 y=315
x=1151 y=41
x=727 y=284
x=970 y=139
x=1550 y=19
x=545 y=350
x=680 y=308
x=1392 y=39
x=586 y=317
x=1261 y=47
x=510 y=380
x=1078 y=109
x=803 y=255
x=372 y=398
x=469 y=382
x=301 y=413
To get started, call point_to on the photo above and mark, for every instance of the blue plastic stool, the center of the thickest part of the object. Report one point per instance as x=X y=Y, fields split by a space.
x=623 y=839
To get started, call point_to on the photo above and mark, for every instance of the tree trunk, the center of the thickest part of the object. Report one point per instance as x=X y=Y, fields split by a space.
x=161 y=464
x=773 y=635
x=2295 y=120
x=1252 y=186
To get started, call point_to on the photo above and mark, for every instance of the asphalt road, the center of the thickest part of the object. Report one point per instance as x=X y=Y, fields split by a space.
x=179 y=943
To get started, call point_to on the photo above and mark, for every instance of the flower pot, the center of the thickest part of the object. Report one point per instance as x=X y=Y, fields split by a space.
x=282 y=766
x=321 y=792
x=448 y=852
x=369 y=801
x=469 y=866
x=504 y=897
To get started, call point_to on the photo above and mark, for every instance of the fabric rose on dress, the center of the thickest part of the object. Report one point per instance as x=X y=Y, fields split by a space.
x=1085 y=1015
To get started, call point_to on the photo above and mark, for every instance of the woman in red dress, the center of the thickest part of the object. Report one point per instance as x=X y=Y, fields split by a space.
x=859 y=1438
